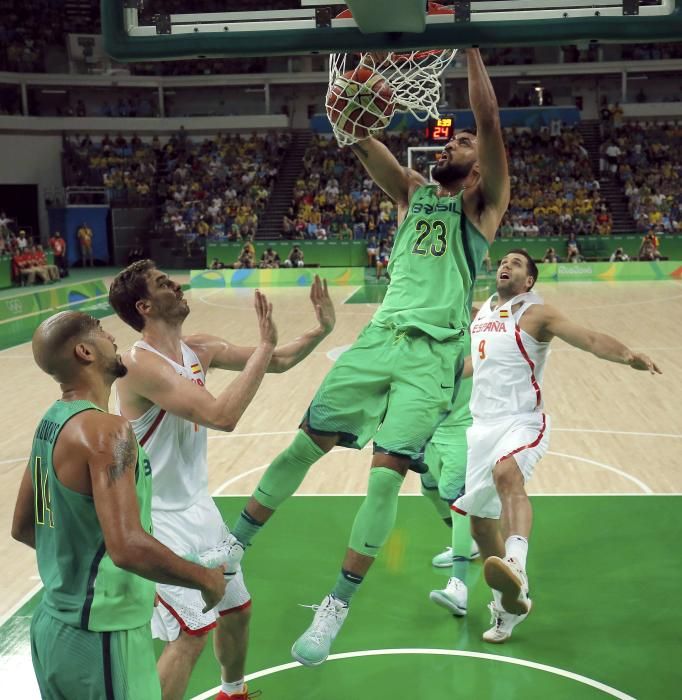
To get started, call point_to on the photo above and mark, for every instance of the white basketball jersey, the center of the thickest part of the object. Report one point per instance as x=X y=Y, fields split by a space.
x=176 y=447
x=508 y=362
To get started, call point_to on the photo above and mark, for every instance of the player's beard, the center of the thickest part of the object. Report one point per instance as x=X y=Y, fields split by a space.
x=116 y=368
x=448 y=173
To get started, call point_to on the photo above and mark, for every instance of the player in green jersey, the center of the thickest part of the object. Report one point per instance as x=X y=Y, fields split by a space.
x=396 y=383
x=84 y=504
x=446 y=458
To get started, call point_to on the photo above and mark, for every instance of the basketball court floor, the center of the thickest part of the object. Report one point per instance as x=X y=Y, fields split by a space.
x=604 y=562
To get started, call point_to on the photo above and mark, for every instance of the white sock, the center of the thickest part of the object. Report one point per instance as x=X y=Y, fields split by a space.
x=497 y=597
x=517 y=548
x=231 y=688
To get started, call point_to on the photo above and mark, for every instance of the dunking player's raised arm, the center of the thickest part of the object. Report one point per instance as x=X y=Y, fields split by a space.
x=395 y=180
x=486 y=203
x=216 y=352
x=156 y=381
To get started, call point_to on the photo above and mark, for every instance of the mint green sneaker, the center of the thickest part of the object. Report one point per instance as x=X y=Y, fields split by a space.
x=313 y=646
x=444 y=559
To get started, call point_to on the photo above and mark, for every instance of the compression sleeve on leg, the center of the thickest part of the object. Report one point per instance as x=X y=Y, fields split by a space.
x=376 y=517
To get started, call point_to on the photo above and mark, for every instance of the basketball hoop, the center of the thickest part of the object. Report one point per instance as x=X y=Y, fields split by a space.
x=413 y=77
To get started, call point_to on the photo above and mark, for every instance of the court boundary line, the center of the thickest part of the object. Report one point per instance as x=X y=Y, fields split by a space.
x=20 y=604
x=535 y=665
x=638 y=482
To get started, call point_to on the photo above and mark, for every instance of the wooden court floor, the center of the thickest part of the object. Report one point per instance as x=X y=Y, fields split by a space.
x=615 y=431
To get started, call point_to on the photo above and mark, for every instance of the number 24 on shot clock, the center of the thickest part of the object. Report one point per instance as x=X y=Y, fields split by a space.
x=441 y=129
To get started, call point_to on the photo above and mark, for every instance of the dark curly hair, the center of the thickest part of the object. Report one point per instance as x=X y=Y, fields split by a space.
x=128 y=287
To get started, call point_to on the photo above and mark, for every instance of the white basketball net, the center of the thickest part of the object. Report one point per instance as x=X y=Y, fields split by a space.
x=413 y=78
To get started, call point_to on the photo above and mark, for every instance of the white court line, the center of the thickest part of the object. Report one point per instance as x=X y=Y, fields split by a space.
x=226 y=436
x=615 y=470
x=20 y=604
x=646 y=489
x=613 y=692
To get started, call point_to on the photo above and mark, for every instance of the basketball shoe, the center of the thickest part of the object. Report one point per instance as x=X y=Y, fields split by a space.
x=227 y=554
x=313 y=646
x=503 y=623
x=453 y=597
x=244 y=695
x=507 y=577
x=445 y=558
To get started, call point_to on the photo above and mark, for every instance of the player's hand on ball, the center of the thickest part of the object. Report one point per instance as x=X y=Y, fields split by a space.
x=214 y=588
x=268 y=330
x=324 y=307
x=645 y=363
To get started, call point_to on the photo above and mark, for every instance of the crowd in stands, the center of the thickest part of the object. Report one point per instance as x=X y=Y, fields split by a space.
x=29 y=261
x=646 y=157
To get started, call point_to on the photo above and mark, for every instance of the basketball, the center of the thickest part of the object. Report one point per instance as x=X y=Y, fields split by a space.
x=360 y=102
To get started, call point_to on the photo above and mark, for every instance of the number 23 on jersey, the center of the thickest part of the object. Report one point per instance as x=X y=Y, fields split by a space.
x=432 y=238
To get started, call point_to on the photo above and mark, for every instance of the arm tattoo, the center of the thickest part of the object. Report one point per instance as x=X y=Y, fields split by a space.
x=125 y=456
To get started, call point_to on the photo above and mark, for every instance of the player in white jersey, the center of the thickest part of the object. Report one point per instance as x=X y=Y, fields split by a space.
x=165 y=398
x=510 y=339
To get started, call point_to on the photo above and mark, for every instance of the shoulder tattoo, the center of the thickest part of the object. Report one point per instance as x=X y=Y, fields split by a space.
x=124 y=455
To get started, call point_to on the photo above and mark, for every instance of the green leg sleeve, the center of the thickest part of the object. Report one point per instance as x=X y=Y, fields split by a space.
x=461 y=546
x=378 y=511
x=441 y=506
x=287 y=471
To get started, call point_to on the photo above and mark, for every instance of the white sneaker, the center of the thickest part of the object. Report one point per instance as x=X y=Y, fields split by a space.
x=444 y=559
x=453 y=597
x=314 y=645
x=502 y=623
x=227 y=553
x=507 y=577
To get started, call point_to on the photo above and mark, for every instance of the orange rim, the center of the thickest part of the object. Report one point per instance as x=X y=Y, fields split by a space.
x=434 y=8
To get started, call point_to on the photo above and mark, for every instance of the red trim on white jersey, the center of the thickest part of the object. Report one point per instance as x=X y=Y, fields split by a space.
x=530 y=445
x=153 y=427
x=183 y=625
x=458 y=510
x=243 y=606
x=531 y=364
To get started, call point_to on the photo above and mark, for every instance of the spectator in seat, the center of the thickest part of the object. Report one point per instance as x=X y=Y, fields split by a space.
x=619 y=255
x=371 y=251
x=49 y=270
x=246 y=258
x=295 y=258
x=58 y=246
x=382 y=258
x=22 y=241
x=550 y=256
x=572 y=250
x=269 y=259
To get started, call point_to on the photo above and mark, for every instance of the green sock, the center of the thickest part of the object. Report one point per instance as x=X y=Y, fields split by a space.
x=376 y=517
x=246 y=527
x=346 y=585
x=431 y=493
x=461 y=546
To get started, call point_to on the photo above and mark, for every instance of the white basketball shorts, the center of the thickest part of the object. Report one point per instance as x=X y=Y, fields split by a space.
x=524 y=437
x=190 y=533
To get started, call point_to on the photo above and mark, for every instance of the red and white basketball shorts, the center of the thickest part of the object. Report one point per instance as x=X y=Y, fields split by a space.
x=190 y=533
x=525 y=437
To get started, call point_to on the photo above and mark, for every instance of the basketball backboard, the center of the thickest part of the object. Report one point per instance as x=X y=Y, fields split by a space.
x=173 y=29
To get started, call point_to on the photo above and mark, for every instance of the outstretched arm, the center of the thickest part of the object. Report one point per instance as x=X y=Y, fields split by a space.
x=216 y=352
x=155 y=380
x=603 y=346
x=491 y=197
x=396 y=181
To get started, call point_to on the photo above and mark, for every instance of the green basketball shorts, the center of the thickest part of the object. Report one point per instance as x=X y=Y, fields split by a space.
x=71 y=663
x=392 y=386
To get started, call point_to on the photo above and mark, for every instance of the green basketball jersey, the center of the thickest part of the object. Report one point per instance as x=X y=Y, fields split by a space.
x=436 y=255
x=83 y=587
